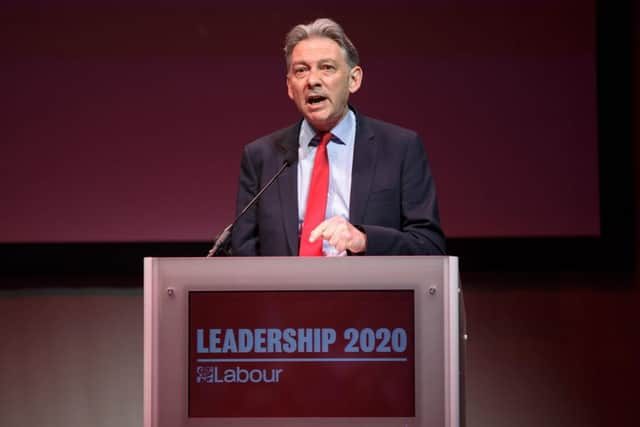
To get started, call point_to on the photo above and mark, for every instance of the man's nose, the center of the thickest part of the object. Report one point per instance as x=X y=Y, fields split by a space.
x=313 y=78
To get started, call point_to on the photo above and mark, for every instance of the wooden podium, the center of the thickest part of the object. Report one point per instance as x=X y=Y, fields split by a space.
x=294 y=341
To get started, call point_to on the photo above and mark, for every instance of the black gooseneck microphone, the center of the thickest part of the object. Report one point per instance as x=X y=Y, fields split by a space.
x=291 y=155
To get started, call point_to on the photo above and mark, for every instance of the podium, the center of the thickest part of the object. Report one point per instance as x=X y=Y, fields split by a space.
x=296 y=341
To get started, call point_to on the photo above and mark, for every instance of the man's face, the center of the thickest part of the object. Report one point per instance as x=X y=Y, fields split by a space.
x=320 y=81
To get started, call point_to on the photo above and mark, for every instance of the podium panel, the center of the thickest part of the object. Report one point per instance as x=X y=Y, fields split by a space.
x=295 y=341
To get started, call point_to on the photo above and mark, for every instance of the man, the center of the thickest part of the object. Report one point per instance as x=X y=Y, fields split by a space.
x=360 y=186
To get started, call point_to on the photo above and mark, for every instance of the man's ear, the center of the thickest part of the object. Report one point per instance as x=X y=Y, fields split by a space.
x=289 y=92
x=355 y=79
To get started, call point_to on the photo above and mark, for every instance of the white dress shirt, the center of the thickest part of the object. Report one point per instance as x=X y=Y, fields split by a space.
x=340 y=153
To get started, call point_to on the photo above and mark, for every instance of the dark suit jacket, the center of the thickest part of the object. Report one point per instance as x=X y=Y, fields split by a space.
x=393 y=197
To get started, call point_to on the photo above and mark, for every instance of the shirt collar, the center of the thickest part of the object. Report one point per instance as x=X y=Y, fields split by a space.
x=309 y=137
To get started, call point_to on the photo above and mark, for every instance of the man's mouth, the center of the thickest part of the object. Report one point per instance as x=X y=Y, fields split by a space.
x=315 y=99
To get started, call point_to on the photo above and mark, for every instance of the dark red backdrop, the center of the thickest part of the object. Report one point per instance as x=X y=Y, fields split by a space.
x=124 y=121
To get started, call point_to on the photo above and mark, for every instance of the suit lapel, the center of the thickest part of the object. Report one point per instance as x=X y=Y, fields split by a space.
x=364 y=162
x=288 y=187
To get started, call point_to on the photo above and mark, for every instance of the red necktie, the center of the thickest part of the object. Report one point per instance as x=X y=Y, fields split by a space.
x=316 y=199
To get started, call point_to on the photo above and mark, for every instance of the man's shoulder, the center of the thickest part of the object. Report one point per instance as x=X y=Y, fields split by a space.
x=379 y=128
x=280 y=137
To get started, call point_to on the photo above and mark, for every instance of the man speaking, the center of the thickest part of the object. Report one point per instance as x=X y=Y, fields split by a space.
x=351 y=184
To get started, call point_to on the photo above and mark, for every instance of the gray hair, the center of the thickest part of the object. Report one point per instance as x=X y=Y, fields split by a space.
x=322 y=27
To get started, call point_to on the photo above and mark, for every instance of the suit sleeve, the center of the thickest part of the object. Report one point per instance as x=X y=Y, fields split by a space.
x=420 y=232
x=245 y=234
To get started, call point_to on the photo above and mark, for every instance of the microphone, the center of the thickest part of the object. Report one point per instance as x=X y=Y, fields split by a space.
x=290 y=157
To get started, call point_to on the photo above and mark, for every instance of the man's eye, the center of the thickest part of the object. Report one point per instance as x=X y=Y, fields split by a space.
x=327 y=67
x=299 y=72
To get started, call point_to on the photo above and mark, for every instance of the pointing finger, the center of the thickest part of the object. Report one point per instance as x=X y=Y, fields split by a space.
x=317 y=232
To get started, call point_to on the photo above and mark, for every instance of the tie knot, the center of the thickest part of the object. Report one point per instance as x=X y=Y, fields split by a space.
x=321 y=139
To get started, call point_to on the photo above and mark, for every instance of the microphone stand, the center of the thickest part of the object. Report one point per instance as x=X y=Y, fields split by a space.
x=222 y=239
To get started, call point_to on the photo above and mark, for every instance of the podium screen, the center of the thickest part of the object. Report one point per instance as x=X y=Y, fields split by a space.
x=301 y=354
